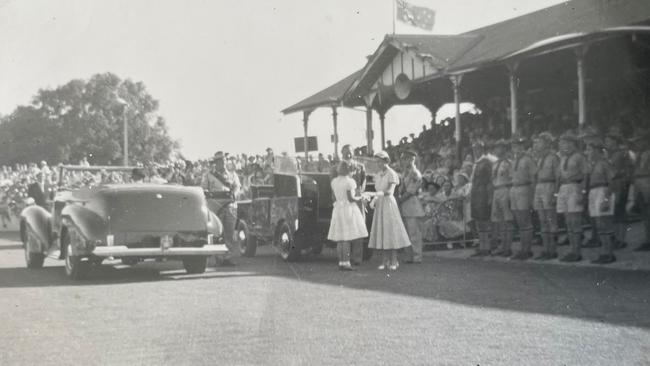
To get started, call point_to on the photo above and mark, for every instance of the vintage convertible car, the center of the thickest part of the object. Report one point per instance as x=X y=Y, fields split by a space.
x=90 y=221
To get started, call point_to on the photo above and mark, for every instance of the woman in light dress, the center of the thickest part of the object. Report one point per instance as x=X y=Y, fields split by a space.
x=387 y=233
x=347 y=223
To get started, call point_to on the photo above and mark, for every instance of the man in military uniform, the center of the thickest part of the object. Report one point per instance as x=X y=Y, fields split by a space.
x=601 y=198
x=570 y=197
x=501 y=214
x=221 y=187
x=521 y=195
x=641 y=181
x=620 y=162
x=545 y=188
x=358 y=173
x=410 y=206
x=480 y=197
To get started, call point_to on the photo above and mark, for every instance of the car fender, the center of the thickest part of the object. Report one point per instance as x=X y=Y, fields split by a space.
x=215 y=227
x=88 y=223
x=37 y=222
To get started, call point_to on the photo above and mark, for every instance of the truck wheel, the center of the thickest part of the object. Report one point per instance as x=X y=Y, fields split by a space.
x=75 y=267
x=285 y=243
x=194 y=265
x=247 y=243
x=33 y=260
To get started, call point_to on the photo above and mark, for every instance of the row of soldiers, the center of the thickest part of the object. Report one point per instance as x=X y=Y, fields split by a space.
x=589 y=173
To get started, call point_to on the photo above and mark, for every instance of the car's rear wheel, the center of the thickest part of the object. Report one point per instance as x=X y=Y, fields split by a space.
x=194 y=265
x=76 y=267
x=286 y=244
x=33 y=260
x=129 y=261
x=247 y=243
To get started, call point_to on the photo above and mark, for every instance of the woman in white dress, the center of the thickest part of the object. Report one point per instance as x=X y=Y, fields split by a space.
x=347 y=223
x=388 y=233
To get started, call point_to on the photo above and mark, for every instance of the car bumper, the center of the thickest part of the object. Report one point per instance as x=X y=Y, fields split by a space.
x=124 y=251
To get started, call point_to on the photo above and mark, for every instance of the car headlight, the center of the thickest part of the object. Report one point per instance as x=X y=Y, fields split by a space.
x=210 y=239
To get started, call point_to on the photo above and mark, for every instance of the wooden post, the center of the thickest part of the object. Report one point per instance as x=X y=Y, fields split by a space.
x=582 y=102
x=382 y=118
x=512 y=76
x=369 y=132
x=305 y=122
x=455 y=81
x=336 y=131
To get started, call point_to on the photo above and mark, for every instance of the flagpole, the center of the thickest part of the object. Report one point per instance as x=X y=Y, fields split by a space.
x=393 y=8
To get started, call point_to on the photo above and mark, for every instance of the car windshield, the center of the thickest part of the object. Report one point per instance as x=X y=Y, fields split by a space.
x=73 y=178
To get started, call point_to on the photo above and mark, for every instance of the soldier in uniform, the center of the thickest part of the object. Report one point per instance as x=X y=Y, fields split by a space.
x=480 y=197
x=410 y=206
x=501 y=214
x=641 y=181
x=620 y=162
x=358 y=173
x=545 y=189
x=222 y=186
x=570 y=197
x=601 y=198
x=521 y=195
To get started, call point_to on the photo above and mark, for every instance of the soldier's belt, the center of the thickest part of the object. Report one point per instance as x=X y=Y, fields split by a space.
x=571 y=181
x=642 y=176
x=598 y=185
x=521 y=184
x=546 y=181
x=503 y=186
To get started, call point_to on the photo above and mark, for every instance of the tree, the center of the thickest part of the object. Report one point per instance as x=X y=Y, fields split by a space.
x=85 y=119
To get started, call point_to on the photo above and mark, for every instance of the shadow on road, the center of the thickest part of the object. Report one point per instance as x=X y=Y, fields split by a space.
x=596 y=294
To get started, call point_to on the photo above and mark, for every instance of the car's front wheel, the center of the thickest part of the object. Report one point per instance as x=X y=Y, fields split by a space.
x=194 y=265
x=76 y=267
x=33 y=260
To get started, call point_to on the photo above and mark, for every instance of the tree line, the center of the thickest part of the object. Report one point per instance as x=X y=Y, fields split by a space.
x=84 y=118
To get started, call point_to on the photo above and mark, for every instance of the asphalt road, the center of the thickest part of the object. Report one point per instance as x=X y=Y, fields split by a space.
x=267 y=312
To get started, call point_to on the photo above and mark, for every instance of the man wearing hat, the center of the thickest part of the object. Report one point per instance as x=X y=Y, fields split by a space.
x=410 y=206
x=521 y=195
x=601 y=198
x=358 y=173
x=641 y=181
x=222 y=186
x=544 y=198
x=480 y=196
x=620 y=162
x=570 y=197
x=501 y=214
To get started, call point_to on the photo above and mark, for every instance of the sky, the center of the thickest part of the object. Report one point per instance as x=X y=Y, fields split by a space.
x=223 y=70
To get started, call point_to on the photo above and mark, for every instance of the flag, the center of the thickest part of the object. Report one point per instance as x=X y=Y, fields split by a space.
x=416 y=16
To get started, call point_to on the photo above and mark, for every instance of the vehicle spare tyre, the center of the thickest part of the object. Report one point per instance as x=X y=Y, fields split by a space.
x=247 y=243
x=286 y=244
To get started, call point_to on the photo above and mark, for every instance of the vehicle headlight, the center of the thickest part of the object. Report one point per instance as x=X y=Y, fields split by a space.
x=110 y=240
x=210 y=239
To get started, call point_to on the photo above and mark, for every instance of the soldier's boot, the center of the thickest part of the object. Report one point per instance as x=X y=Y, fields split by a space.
x=545 y=245
x=620 y=229
x=506 y=237
x=552 y=245
x=607 y=252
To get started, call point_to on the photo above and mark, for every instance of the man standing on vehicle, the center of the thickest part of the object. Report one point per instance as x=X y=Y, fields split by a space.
x=358 y=173
x=221 y=187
